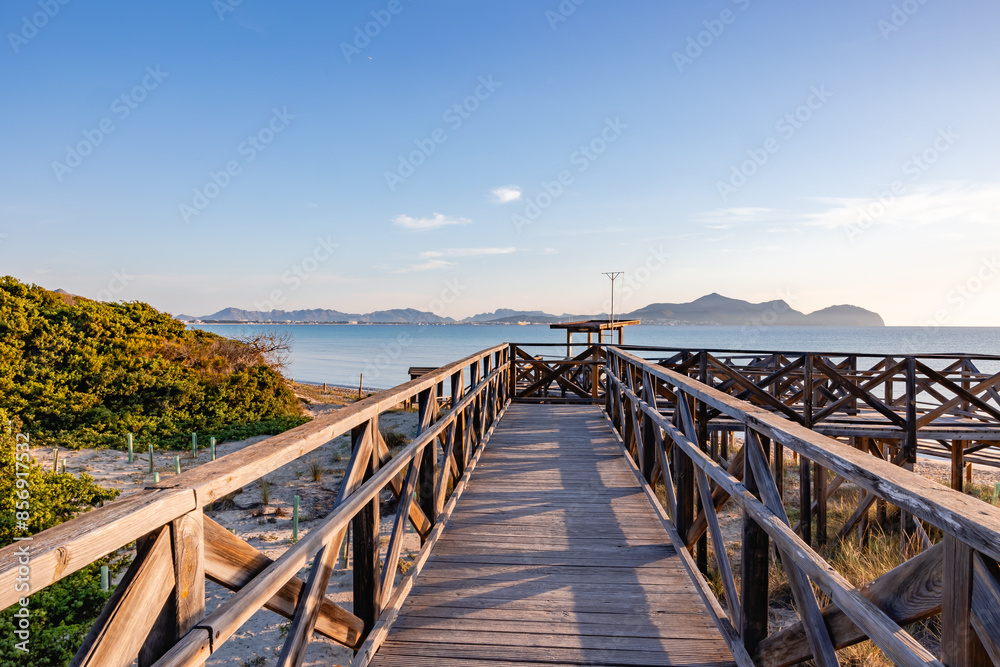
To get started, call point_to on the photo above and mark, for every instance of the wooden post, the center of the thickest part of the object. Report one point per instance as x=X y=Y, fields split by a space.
x=909 y=447
x=754 y=570
x=957 y=464
x=960 y=646
x=427 y=411
x=295 y=518
x=805 y=490
x=364 y=527
x=456 y=432
x=185 y=607
x=701 y=424
x=648 y=433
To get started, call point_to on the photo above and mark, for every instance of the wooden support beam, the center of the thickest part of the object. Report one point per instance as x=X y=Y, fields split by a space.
x=123 y=625
x=817 y=635
x=986 y=604
x=428 y=412
x=754 y=564
x=960 y=645
x=908 y=593
x=311 y=598
x=231 y=562
x=364 y=530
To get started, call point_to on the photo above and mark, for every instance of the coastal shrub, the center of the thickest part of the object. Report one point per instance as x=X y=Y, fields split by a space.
x=61 y=614
x=81 y=373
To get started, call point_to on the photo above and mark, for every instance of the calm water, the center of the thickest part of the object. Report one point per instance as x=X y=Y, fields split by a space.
x=338 y=354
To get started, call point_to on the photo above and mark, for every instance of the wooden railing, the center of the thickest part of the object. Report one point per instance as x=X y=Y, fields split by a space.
x=537 y=378
x=663 y=417
x=157 y=611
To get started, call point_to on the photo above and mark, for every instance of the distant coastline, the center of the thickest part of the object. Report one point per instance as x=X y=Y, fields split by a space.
x=712 y=309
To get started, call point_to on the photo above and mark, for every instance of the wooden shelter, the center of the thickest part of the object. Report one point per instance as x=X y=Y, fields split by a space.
x=590 y=327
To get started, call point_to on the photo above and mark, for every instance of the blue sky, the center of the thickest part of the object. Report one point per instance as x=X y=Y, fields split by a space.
x=465 y=156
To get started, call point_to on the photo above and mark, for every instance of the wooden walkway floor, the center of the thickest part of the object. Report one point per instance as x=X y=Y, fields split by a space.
x=553 y=555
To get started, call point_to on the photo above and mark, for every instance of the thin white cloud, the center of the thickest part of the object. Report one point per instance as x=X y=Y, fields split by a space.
x=965 y=203
x=724 y=218
x=430 y=265
x=466 y=252
x=424 y=224
x=506 y=194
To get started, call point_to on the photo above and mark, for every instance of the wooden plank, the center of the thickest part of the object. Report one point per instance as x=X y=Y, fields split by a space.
x=539 y=554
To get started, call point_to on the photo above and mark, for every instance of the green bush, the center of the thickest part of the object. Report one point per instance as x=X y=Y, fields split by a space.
x=82 y=373
x=61 y=614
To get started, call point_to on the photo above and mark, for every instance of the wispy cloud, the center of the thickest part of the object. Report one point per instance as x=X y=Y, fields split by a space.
x=966 y=203
x=424 y=224
x=466 y=252
x=430 y=265
x=506 y=194
x=724 y=218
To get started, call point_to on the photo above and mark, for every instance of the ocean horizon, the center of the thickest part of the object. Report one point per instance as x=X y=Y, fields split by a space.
x=339 y=354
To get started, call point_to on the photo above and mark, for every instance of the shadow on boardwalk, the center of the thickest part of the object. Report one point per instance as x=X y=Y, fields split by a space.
x=553 y=555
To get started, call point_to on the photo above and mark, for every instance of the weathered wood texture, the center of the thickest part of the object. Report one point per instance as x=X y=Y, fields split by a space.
x=553 y=554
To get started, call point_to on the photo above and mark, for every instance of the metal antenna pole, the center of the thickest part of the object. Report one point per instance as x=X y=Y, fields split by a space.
x=614 y=276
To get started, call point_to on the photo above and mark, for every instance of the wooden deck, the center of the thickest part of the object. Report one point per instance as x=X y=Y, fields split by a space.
x=553 y=555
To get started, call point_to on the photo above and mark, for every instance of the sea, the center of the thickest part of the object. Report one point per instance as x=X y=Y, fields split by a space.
x=378 y=355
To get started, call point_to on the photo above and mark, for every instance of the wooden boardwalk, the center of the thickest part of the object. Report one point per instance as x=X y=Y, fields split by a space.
x=553 y=555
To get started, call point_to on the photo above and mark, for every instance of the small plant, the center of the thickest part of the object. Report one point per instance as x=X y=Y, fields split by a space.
x=316 y=470
x=264 y=486
x=394 y=438
x=256 y=660
x=226 y=502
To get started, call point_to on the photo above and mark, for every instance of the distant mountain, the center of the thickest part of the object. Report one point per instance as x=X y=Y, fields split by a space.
x=710 y=309
x=718 y=309
x=506 y=314
x=318 y=315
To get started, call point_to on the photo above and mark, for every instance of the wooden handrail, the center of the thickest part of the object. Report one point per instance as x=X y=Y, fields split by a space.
x=968 y=522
